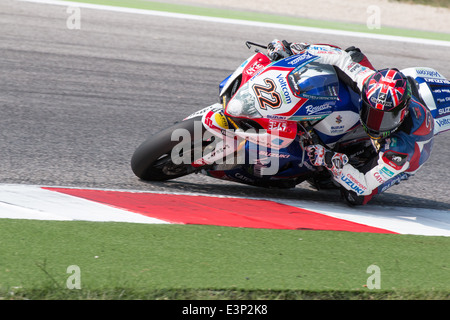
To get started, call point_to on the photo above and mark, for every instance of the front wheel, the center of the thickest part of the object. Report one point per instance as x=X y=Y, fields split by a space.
x=153 y=159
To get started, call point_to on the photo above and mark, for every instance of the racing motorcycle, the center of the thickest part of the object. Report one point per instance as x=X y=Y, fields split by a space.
x=268 y=113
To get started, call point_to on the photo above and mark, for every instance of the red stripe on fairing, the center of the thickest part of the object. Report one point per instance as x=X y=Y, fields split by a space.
x=231 y=212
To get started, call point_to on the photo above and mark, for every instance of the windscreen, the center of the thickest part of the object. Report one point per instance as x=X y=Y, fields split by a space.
x=314 y=81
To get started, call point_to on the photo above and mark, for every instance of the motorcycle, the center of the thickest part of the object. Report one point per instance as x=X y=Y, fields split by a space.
x=268 y=113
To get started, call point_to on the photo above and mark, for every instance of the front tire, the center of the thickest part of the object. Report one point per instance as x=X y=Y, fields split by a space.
x=152 y=160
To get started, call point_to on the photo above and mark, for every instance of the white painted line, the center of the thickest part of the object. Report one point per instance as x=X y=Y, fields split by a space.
x=244 y=22
x=33 y=202
x=403 y=220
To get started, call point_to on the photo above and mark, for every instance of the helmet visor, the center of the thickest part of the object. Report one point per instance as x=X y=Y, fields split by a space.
x=378 y=123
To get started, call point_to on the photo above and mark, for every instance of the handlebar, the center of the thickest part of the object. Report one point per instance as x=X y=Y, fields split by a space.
x=249 y=44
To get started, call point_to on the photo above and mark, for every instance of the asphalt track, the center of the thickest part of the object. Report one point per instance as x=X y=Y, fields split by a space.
x=76 y=103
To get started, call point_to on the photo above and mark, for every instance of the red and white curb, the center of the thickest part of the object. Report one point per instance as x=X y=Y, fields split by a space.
x=37 y=203
x=74 y=204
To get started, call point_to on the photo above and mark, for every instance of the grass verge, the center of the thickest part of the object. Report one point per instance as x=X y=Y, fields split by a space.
x=434 y=3
x=137 y=261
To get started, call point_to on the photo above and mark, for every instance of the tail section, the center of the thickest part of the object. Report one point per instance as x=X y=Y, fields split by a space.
x=434 y=90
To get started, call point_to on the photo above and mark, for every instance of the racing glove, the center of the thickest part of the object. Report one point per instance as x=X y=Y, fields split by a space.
x=333 y=161
x=277 y=49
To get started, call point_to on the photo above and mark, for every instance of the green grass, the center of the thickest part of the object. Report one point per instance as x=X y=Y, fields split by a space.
x=137 y=261
x=434 y=3
x=255 y=16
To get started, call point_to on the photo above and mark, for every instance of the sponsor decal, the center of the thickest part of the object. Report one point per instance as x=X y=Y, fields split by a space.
x=257 y=73
x=243 y=64
x=441 y=90
x=387 y=172
x=397 y=179
x=353 y=183
x=306 y=118
x=251 y=70
x=324 y=49
x=337 y=129
x=278 y=125
x=269 y=141
x=284 y=88
x=300 y=58
x=353 y=67
x=274 y=154
x=240 y=176
x=277 y=141
x=417 y=112
x=443 y=122
x=429 y=73
x=438 y=81
x=350 y=65
x=381 y=99
x=378 y=177
x=392 y=142
x=395 y=159
x=443 y=100
x=271 y=116
x=221 y=120
x=208 y=121
x=313 y=97
x=315 y=109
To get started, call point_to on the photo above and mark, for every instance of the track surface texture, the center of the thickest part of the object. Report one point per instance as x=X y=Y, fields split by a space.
x=76 y=103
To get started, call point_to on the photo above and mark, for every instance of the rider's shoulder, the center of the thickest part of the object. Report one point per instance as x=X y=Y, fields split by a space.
x=417 y=110
x=421 y=120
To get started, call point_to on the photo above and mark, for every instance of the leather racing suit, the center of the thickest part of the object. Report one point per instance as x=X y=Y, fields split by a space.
x=399 y=155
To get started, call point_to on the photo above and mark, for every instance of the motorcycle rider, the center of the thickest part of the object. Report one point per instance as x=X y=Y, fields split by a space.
x=398 y=124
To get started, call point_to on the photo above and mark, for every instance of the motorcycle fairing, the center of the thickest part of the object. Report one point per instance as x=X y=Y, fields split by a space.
x=343 y=120
x=295 y=88
x=434 y=89
x=247 y=69
x=291 y=164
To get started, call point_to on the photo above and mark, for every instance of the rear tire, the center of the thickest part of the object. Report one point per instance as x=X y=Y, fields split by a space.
x=152 y=161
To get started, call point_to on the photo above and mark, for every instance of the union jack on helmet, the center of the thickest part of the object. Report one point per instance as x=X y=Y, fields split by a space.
x=385 y=97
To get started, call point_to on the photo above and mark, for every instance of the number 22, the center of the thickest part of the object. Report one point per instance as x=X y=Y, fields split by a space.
x=267 y=96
